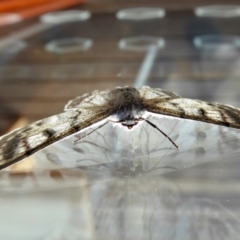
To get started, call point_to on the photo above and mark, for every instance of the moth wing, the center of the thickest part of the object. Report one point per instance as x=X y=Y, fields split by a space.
x=88 y=100
x=23 y=142
x=215 y=113
x=148 y=93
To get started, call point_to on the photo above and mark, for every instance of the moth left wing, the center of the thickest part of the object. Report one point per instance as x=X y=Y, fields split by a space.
x=215 y=113
x=158 y=94
x=168 y=103
x=23 y=142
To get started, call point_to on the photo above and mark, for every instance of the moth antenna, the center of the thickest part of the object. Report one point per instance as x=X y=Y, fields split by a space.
x=100 y=126
x=154 y=126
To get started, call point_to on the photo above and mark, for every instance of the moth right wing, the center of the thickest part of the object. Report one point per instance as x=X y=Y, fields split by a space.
x=88 y=100
x=23 y=142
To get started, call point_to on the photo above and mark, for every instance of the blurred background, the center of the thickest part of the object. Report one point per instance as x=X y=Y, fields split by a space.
x=53 y=51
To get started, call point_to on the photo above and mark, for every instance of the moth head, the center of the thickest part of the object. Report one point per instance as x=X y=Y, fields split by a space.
x=129 y=123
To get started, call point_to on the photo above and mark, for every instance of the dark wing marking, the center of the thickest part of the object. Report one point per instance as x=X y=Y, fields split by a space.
x=23 y=142
x=215 y=113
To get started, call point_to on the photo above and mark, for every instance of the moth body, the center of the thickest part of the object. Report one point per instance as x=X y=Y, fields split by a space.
x=126 y=106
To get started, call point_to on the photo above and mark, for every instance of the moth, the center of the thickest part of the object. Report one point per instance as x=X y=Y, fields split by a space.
x=124 y=106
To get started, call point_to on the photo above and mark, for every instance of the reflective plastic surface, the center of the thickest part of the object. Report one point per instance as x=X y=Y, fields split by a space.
x=115 y=183
x=129 y=184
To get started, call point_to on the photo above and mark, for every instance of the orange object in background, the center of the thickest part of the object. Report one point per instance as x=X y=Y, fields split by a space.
x=16 y=5
x=21 y=14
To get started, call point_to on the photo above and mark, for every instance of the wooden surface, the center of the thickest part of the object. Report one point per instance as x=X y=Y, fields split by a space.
x=36 y=83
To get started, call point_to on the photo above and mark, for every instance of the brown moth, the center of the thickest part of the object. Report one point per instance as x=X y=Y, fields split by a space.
x=124 y=105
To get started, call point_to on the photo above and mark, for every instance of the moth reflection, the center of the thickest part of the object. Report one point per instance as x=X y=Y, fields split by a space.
x=142 y=149
x=112 y=147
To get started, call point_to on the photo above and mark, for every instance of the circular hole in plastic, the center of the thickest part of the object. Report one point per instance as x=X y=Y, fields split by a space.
x=141 y=44
x=218 y=11
x=140 y=13
x=216 y=41
x=69 y=45
x=65 y=16
x=220 y=46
